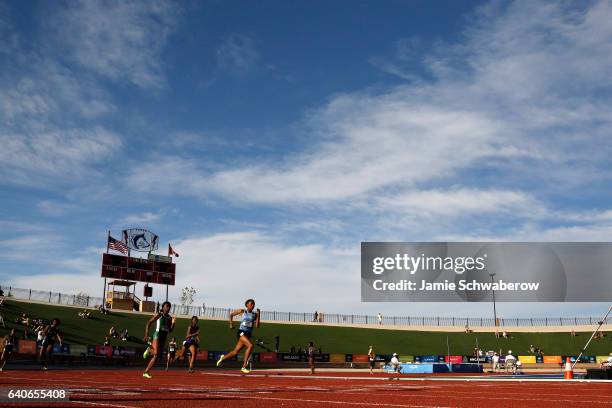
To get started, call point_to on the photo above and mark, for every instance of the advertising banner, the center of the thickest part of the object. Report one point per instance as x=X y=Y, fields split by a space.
x=337 y=358
x=552 y=359
x=453 y=359
x=26 y=347
x=267 y=357
x=527 y=359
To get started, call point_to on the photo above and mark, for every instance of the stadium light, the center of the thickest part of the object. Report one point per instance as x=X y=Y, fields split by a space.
x=494 y=309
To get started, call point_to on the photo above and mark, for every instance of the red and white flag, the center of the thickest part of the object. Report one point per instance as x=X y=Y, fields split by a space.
x=117 y=245
x=171 y=251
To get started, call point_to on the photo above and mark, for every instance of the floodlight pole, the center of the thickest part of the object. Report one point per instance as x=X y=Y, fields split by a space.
x=493 y=292
x=601 y=322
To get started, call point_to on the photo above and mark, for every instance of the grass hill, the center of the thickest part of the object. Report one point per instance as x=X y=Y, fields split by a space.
x=216 y=335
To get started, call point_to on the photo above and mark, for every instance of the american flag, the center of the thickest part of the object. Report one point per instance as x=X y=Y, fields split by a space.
x=117 y=245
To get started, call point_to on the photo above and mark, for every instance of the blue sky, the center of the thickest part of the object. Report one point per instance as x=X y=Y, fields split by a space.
x=266 y=141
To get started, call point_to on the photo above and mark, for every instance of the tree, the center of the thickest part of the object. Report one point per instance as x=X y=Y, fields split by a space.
x=187 y=295
x=81 y=298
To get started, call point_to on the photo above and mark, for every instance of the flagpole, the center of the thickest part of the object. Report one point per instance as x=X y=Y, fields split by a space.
x=104 y=289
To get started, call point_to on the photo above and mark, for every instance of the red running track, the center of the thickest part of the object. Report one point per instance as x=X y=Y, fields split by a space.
x=228 y=388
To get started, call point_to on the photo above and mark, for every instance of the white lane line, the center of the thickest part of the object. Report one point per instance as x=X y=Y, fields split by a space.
x=104 y=404
x=375 y=404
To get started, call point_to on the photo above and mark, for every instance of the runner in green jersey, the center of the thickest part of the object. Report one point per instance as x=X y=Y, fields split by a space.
x=164 y=324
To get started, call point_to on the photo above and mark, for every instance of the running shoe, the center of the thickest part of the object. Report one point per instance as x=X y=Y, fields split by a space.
x=190 y=371
x=45 y=368
x=220 y=359
x=145 y=354
x=147 y=375
x=245 y=370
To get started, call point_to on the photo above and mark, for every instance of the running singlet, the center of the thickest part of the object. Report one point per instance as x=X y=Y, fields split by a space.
x=248 y=318
x=163 y=324
x=172 y=347
x=51 y=335
x=311 y=351
x=193 y=329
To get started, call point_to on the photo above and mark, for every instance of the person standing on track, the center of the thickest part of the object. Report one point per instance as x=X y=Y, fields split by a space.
x=495 y=362
x=9 y=344
x=171 y=352
x=192 y=342
x=51 y=334
x=164 y=325
x=371 y=359
x=310 y=353
x=249 y=318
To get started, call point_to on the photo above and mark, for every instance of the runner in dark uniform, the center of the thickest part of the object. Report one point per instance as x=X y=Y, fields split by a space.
x=310 y=353
x=51 y=334
x=164 y=324
x=249 y=318
x=371 y=359
x=192 y=342
x=171 y=352
x=9 y=345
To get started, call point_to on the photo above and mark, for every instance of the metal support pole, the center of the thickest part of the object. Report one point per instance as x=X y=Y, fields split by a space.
x=592 y=335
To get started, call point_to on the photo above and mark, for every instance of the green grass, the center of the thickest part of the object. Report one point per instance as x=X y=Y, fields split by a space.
x=216 y=335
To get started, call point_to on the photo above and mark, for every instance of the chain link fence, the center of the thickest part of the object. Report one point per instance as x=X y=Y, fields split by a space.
x=207 y=312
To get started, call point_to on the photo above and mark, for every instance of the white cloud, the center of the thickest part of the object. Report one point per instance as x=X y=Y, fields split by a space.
x=144 y=218
x=53 y=156
x=516 y=97
x=119 y=40
x=460 y=202
x=229 y=268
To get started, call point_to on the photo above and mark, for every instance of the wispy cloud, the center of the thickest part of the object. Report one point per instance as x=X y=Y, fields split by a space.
x=145 y=218
x=238 y=55
x=512 y=97
x=119 y=40
x=57 y=156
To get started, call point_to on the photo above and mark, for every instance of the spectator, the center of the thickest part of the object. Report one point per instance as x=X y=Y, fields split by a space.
x=395 y=363
x=505 y=335
x=467 y=329
x=496 y=334
x=277 y=343
x=495 y=361
x=518 y=367
x=320 y=317
x=106 y=341
x=510 y=362
x=316 y=316
x=2 y=321
x=125 y=335
x=113 y=332
x=40 y=334
x=380 y=319
x=608 y=363
x=573 y=333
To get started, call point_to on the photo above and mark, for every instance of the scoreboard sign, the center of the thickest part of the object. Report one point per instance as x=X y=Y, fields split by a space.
x=138 y=269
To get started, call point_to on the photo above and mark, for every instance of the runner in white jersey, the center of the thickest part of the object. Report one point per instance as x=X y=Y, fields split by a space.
x=249 y=319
